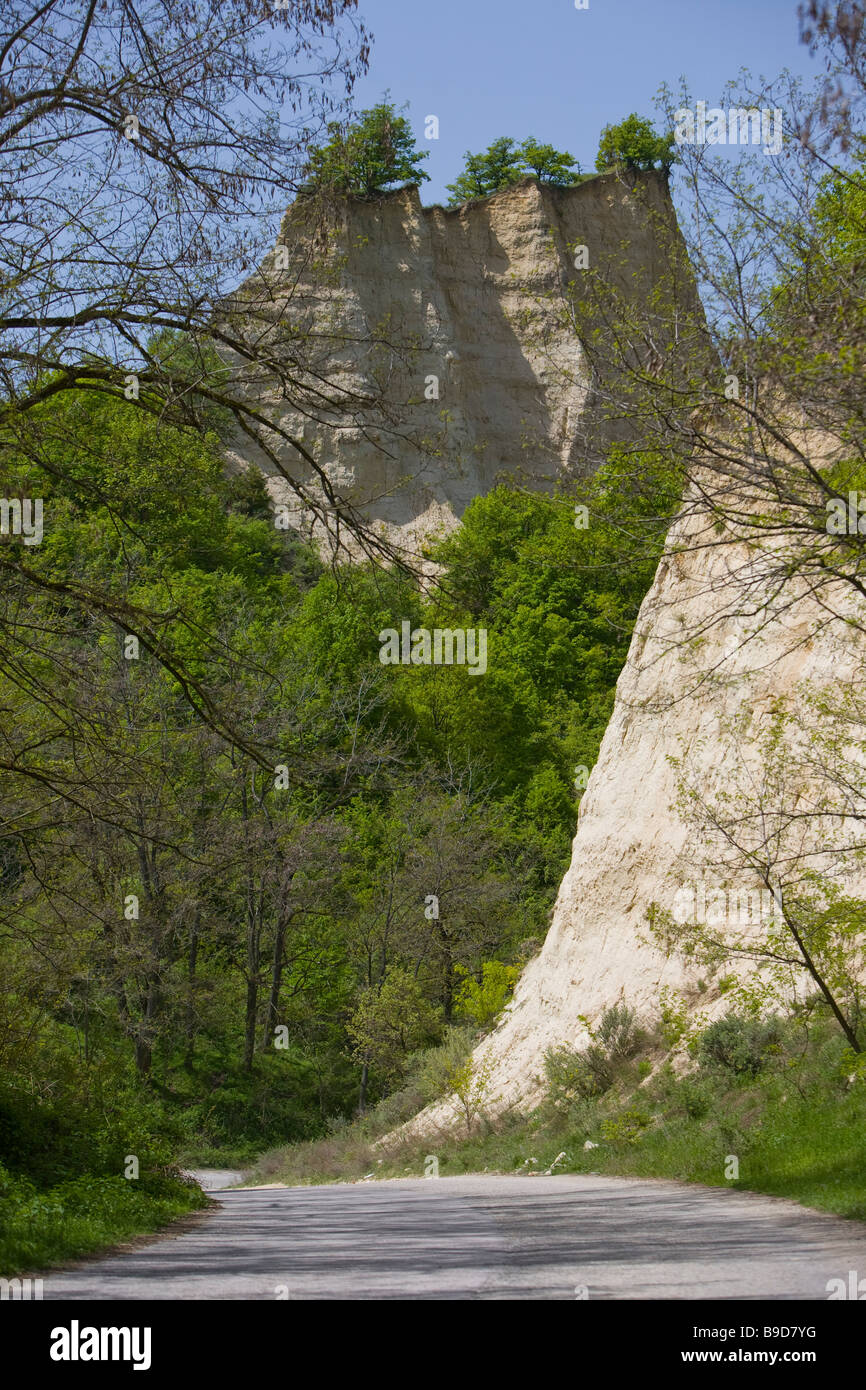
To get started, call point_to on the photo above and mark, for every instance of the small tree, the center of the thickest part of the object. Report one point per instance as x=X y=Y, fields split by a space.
x=470 y=1083
x=391 y=1022
x=780 y=841
x=550 y=165
x=482 y=1000
x=499 y=167
x=504 y=163
x=634 y=144
x=371 y=156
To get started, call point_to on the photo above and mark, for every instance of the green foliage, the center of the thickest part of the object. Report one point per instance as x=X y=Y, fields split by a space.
x=483 y=1000
x=741 y=1045
x=84 y=1214
x=505 y=163
x=470 y=1082
x=574 y=1075
x=392 y=1021
x=89 y=1126
x=498 y=167
x=369 y=157
x=430 y=1071
x=300 y=911
x=550 y=165
x=625 y=1128
x=618 y=1033
x=674 y=1017
x=634 y=144
x=190 y=363
x=580 y=1075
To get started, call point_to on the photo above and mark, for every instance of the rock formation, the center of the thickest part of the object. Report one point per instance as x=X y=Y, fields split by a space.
x=686 y=706
x=451 y=356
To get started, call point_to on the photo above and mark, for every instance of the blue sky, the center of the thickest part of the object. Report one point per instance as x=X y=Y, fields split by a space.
x=540 y=67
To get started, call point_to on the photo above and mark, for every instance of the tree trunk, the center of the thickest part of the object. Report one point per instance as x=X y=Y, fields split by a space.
x=272 y=1016
x=447 y=974
x=250 y=1025
x=144 y=1038
x=191 y=966
x=362 y=1093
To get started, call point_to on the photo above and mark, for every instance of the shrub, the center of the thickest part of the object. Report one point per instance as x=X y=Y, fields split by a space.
x=469 y=1083
x=625 y=1128
x=583 y=1075
x=618 y=1033
x=430 y=1071
x=674 y=1017
x=740 y=1045
x=696 y=1096
x=428 y=1078
x=482 y=1001
x=573 y=1075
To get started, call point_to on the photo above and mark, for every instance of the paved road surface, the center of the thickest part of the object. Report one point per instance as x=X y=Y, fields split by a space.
x=215 y=1179
x=485 y=1237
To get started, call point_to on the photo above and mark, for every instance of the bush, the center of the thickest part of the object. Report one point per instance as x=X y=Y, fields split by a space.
x=428 y=1078
x=53 y=1140
x=584 y=1075
x=740 y=1045
x=430 y=1071
x=618 y=1033
x=482 y=1001
x=625 y=1128
x=696 y=1095
x=573 y=1075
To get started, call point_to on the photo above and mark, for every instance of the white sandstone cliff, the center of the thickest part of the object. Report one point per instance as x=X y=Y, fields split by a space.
x=402 y=301
x=676 y=698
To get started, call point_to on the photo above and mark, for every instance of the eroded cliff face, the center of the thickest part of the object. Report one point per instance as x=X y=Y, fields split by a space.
x=450 y=358
x=700 y=683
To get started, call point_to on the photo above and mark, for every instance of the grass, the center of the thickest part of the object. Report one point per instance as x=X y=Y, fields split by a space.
x=39 y=1228
x=796 y=1127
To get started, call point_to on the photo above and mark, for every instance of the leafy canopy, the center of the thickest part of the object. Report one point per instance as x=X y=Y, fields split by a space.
x=634 y=144
x=504 y=163
x=371 y=156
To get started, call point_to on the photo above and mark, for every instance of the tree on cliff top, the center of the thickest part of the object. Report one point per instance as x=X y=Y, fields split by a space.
x=504 y=163
x=369 y=157
x=550 y=165
x=634 y=144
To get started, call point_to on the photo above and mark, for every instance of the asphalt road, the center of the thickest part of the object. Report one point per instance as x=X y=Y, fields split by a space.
x=484 y=1237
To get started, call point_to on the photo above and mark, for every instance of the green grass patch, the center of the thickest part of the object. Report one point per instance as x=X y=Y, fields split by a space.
x=86 y=1214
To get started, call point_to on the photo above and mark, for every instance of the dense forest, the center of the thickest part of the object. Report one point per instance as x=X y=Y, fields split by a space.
x=212 y=945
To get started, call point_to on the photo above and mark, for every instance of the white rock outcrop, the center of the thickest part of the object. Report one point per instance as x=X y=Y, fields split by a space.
x=453 y=324
x=676 y=698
